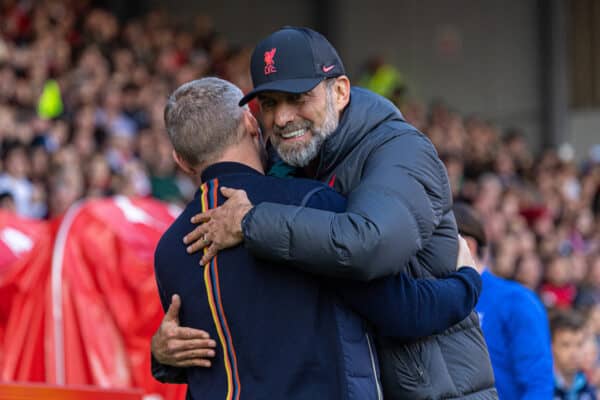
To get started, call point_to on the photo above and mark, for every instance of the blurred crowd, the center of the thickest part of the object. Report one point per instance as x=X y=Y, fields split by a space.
x=81 y=115
x=541 y=214
x=82 y=98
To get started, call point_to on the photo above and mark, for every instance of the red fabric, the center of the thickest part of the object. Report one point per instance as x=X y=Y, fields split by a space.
x=24 y=277
x=110 y=306
x=558 y=296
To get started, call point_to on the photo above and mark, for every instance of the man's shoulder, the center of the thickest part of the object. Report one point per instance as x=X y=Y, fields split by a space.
x=504 y=285
x=515 y=295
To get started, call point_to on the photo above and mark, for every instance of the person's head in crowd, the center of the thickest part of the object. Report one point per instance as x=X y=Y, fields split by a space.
x=568 y=336
x=505 y=256
x=58 y=134
x=528 y=270
x=98 y=176
x=205 y=124
x=589 y=291
x=39 y=161
x=163 y=164
x=559 y=271
x=66 y=187
x=15 y=161
x=416 y=113
x=455 y=167
x=470 y=227
x=579 y=268
x=594 y=271
x=543 y=225
x=589 y=361
x=510 y=203
x=504 y=166
x=133 y=180
x=584 y=223
x=489 y=194
x=302 y=89
x=439 y=114
x=592 y=318
x=527 y=241
x=496 y=227
x=559 y=291
x=515 y=143
x=7 y=202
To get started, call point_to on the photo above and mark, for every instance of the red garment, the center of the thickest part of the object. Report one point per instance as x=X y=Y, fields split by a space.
x=92 y=323
x=558 y=296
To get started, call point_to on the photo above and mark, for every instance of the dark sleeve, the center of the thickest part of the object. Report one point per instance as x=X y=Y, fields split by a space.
x=390 y=216
x=167 y=374
x=161 y=372
x=529 y=341
x=403 y=307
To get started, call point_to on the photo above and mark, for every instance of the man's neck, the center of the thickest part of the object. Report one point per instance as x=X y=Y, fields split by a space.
x=242 y=155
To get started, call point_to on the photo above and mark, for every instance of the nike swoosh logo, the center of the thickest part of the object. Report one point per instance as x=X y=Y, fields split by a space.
x=327 y=69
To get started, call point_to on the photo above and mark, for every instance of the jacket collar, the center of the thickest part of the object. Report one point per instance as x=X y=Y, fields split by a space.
x=226 y=168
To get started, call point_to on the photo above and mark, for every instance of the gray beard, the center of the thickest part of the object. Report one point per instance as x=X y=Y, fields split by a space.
x=301 y=156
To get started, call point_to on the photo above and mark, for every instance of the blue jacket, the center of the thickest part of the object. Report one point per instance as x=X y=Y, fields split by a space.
x=283 y=333
x=515 y=327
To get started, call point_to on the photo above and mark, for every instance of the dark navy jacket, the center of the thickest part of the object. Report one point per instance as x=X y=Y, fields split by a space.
x=282 y=333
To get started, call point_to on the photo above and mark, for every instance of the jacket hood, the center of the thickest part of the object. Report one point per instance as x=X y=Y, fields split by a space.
x=365 y=111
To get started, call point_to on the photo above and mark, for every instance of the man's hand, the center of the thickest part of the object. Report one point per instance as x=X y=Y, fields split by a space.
x=220 y=227
x=464 y=258
x=179 y=346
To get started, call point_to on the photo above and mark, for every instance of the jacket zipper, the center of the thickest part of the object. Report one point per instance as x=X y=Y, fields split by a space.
x=379 y=395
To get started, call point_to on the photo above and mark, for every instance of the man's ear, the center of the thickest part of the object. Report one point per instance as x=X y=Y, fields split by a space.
x=250 y=124
x=341 y=91
x=184 y=165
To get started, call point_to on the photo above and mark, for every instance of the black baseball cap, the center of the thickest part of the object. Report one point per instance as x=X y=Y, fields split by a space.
x=292 y=60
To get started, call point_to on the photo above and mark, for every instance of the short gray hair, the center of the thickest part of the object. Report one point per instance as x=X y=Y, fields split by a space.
x=202 y=118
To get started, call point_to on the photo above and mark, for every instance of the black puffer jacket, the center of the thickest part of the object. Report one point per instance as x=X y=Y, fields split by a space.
x=398 y=219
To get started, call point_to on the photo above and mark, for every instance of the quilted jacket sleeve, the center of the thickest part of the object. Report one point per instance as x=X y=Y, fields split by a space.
x=390 y=215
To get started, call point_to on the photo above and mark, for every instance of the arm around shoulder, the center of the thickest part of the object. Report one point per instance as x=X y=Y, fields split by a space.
x=390 y=215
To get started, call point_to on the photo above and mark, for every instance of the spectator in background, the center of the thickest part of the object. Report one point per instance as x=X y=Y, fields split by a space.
x=559 y=290
x=528 y=271
x=589 y=294
x=7 y=203
x=14 y=180
x=513 y=321
x=592 y=367
x=383 y=79
x=568 y=339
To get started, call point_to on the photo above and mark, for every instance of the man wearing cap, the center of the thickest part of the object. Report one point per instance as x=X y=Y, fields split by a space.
x=398 y=215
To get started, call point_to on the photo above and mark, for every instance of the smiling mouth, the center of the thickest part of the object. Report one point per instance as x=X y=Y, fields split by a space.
x=294 y=134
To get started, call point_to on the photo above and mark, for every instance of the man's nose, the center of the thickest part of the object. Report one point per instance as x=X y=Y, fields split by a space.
x=284 y=114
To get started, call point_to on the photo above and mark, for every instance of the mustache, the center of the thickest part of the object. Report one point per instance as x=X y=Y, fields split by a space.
x=291 y=127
